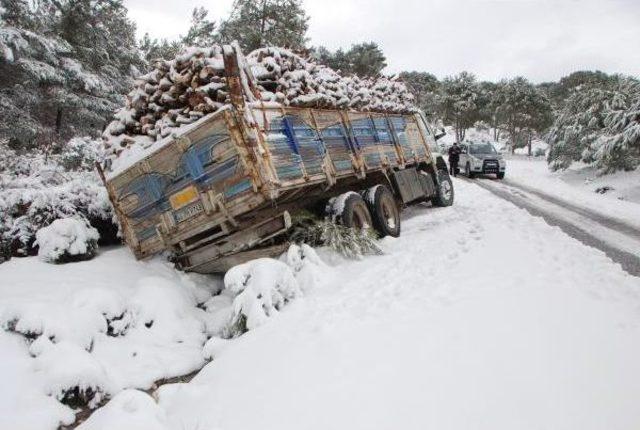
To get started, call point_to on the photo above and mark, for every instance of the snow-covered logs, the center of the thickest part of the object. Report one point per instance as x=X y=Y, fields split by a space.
x=181 y=91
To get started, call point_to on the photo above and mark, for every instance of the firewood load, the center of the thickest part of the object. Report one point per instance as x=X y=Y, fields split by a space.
x=179 y=92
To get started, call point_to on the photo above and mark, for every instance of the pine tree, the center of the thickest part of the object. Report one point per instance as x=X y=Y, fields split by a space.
x=64 y=66
x=158 y=49
x=458 y=102
x=425 y=87
x=366 y=59
x=258 y=23
x=362 y=59
x=521 y=109
x=202 y=32
x=619 y=148
x=599 y=124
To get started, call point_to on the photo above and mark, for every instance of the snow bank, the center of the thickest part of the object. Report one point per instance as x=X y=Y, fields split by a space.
x=70 y=373
x=67 y=239
x=24 y=404
x=615 y=195
x=129 y=410
x=94 y=328
x=545 y=335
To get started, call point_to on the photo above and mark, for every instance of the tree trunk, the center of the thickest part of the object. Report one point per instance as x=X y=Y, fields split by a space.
x=58 y=120
x=529 y=145
x=263 y=22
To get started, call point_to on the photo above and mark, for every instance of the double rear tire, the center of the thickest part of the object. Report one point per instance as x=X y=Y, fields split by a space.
x=351 y=211
x=378 y=210
x=384 y=210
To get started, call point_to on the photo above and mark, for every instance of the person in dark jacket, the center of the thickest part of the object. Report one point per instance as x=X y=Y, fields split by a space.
x=454 y=158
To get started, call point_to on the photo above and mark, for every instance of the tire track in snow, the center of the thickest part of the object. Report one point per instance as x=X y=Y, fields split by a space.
x=618 y=240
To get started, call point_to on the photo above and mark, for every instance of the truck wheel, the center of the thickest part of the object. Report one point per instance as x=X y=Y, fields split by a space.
x=500 y=175
x=445 y=194
x=351 y=211
x=468 y=173
x=384 y=211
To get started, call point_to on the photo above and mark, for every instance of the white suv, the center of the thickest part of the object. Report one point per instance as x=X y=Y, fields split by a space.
x=481 y=158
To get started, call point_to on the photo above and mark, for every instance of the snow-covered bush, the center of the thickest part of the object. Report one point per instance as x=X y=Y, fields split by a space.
x=80 y=153
x=30 y=203
x=214 y=347
x=66 y=240
x=71 y=374
x=129 y=409
x=35 y=190
x=262 y=288
x=306 y=265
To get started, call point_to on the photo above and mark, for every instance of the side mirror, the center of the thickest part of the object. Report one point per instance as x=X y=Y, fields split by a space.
x=440 y=135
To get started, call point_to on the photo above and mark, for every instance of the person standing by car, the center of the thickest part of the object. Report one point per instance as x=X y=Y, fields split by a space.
x=454 y=158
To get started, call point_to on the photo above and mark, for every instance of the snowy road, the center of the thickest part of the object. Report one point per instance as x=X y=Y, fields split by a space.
x=480 y=316
x=619 y=240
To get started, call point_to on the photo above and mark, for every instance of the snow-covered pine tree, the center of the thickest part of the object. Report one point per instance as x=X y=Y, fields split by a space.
x=64 y=66
x=458 y=102
x=620 y=148
x=258 y=23
x=598 y=124
x=521 y=109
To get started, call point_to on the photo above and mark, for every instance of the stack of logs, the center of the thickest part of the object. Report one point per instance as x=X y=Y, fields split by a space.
x=185 y=89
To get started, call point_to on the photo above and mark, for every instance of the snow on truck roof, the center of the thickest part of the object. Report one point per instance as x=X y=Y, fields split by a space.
x=178 y=94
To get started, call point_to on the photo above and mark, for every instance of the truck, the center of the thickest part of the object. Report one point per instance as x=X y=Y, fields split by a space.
x=230 y=187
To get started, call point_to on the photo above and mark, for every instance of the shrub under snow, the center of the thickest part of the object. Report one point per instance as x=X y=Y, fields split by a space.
x=262 y=288
x=71 y=374
x=66 y=240
x=36 y=189
x=129 y=410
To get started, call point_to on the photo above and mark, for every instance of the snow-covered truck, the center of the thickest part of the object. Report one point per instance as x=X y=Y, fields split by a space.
x=228 y=187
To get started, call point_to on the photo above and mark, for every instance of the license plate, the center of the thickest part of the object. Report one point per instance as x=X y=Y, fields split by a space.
x=184 y=197
x=188 y=212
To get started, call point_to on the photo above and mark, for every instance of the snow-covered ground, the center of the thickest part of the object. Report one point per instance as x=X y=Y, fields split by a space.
x=478 y=316
x=101 y=325
x=581 y=185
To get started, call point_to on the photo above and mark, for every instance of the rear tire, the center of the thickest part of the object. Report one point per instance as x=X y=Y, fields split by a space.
x=500 y=175
x=445 y=195
x=353 y=212
x=384 y=211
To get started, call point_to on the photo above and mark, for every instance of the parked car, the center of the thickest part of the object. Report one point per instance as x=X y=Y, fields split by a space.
x=482 y=158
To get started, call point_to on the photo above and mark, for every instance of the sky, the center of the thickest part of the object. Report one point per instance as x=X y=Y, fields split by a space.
x=542 y=40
